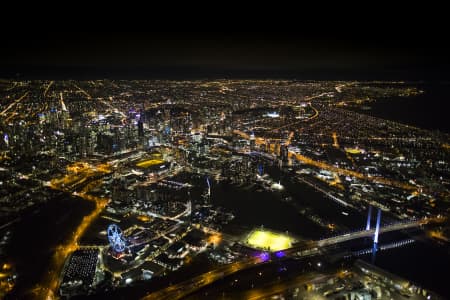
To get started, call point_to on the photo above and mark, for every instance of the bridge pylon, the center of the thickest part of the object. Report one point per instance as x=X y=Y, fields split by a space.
x=377 y=228
x=375 y=237
x=369 y=216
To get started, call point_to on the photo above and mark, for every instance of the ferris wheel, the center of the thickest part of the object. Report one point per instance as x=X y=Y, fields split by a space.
x=116 y=239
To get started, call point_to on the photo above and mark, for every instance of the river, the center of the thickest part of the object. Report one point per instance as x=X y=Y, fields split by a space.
x=423 y=262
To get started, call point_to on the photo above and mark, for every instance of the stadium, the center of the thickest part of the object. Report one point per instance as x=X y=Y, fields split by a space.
x=149 y=163
x=268 y=240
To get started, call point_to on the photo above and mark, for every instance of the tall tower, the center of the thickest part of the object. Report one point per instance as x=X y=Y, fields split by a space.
x=377 y=229
x=6 y=139
x=369 y=216
x=375 y=237
x=65 y=116
x=209 y=189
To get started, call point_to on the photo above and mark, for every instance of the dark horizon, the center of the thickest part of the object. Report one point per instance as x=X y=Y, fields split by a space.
x=195 y=73
x=223 y=55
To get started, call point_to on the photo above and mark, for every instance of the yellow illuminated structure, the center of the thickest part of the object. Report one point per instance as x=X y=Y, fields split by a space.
x=149 y=163
x=271 y=241
x=354 y=150
x=215 y=239
x=335 y=140
x=144 y=218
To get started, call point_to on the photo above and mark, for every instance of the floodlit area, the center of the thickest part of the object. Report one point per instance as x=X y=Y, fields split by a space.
x=264 y=239
x=149 y=163
x=355 y=150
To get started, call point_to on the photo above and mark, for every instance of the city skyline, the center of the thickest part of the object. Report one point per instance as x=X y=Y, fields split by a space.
x=270 y=164
x=160 y=189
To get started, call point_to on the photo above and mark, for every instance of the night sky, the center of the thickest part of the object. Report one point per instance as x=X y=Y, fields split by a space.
x=400 y=53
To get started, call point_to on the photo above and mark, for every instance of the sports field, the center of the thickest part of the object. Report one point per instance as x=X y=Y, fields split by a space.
x=149 y=163
x=268 y=240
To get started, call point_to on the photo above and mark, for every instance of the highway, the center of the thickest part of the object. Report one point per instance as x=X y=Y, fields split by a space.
x=48 y=87
x=328 y=194
x=189 y=286
x=80 y=179
x=312 y=248
x=183 y=289
x=83 y=91
x=371 y=232
x=13 y=103
x=275 y=288
x=12 y=87
x=77 y=174
x=315 y=115
x=176 y=218
x=328 y=167
x=265 y=291
x=346 y=172
x=335 y=140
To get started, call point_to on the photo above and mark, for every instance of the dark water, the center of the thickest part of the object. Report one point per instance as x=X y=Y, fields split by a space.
x=426 y=264
x=36 y=236
x=252 y=208
x=255 y=208
x=423 y=263
x=38 y=233
x=427 y=110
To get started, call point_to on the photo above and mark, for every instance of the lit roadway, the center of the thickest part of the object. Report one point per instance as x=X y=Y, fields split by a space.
x=47 y=88
x=77 y=173
x=274 y=288
x=281 y=286
x=368 y=233
x=335 y=140
x=83 y=91
x=328 y=167
x=183 y=289
x=315 y=115
x=328 y=194
x=187 y=287
x=89 y=97
x=13 y=103
x=346 y=172
x=176 y=218
x=80 y=179
x=12 y=87
x=316 y=112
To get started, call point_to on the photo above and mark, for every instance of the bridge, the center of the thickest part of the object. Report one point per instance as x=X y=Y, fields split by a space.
x=306 y=249
x=371 y=232
x=368 y=231
x=312 y=248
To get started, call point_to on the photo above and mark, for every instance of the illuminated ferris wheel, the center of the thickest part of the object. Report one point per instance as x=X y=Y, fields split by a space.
x=116 y=239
